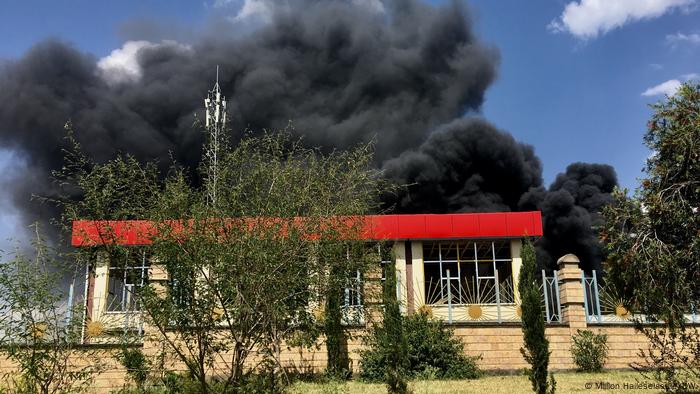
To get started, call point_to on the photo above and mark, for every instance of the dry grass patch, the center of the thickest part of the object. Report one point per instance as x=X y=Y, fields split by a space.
x=567 y=382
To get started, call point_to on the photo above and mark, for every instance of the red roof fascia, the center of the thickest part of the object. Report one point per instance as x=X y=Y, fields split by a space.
x=374 y=227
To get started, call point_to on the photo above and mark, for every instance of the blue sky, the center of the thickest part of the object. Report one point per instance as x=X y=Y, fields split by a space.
x=580 y=98
x=571 y=79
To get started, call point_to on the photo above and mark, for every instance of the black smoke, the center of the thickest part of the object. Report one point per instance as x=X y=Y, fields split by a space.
x=465 y=166
x=341 y=71
x=570 y=210
x=470 y=166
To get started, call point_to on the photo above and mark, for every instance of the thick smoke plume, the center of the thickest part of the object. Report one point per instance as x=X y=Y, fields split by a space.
x=470 y=166
x=570 y=209
x=465 y=166
x=398 y=72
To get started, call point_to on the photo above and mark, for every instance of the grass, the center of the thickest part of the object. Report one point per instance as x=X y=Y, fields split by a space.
x=567 y=382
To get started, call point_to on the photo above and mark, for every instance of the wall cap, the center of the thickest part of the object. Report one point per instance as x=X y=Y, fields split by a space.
x=568 y=258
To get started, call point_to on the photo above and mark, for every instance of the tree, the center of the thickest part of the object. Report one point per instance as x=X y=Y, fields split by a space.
x=39 y=333
x=653 y=239
x=536 y=346
x=246 y=267
x=392 y=336
x=336 y=338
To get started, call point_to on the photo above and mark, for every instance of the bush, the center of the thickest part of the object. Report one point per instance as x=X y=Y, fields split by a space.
x=136 y=365
x=589 y=350
x=535 y=348
x=433 y=352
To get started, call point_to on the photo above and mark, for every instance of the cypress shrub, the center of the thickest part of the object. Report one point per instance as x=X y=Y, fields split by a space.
x=536 y=346
x=336 y=340
x=392 y=339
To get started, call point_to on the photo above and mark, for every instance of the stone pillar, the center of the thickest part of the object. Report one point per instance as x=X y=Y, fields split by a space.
x=158 y=277
x=400 y=253
x=571 y=294
x=99 y=290
x=516 y=247
x=373 y=288
x=418 y=274
x=408 y=254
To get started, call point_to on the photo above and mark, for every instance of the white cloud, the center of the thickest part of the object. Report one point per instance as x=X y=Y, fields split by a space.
x=680 y=38
x=255 y=9
x=589 y=18
x=670 y=87
x=375 y=6
x=667 y=88
x=263 y=10
x=122 y=64
x=221 y=3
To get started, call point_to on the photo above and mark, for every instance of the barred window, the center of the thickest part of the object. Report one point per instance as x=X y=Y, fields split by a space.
x=384 y=258
x=126 y=276
x=468 y=272
x=353 y=290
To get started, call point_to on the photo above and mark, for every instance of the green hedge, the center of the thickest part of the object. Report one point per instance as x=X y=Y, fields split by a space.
x=433 y=352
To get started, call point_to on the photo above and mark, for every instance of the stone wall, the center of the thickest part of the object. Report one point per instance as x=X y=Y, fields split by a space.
x=111 y=376
x=498 y=345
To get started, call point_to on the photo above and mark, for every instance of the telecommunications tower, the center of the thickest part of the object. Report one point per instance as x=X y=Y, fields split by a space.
x=215 y=128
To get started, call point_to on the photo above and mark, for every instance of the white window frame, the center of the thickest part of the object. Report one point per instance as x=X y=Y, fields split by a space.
x=126 y=301
x=459 y=262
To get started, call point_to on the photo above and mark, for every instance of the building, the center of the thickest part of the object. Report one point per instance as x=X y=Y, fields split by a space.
x=464 y=267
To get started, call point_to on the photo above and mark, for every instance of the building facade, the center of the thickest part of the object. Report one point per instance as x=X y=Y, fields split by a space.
x=462 y=267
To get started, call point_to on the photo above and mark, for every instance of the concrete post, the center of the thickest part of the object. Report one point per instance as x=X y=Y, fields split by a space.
x=571 y=294
x=158 y=277
x=99 y=290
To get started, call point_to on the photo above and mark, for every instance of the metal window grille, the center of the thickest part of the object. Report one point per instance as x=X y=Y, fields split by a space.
x=353 y=291
x=473 y=269
x=123 y=284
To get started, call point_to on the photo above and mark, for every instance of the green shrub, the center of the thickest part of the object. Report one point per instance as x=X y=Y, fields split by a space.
x=135 y=363
x=535 y=348
x=175 y=383
x=391 y=339
x=589 y=350
x=433 y=352
x=336 y=339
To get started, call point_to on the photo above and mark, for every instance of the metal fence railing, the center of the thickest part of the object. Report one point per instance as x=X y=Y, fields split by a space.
x=604 y=305
x=491 y=299
x=550 y=292
x=591 y=297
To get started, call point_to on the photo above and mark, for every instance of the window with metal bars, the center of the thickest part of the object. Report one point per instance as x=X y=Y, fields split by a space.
x=353 y=290
x=126 y=276
x=468 y=272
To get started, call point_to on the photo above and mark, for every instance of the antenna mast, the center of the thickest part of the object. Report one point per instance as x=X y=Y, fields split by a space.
x=215 y=127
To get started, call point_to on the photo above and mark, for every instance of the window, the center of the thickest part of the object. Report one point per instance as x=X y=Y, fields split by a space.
x=467 y=272
x=384 y=258
x=125 y=277
x=353 y=290
x=182 y=285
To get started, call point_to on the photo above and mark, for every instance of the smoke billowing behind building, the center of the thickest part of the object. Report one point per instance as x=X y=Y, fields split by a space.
x=398 y=72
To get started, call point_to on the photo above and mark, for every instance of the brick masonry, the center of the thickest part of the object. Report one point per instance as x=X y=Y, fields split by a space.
x=498 y=345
